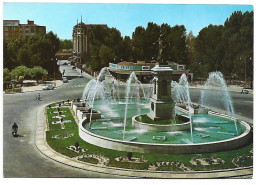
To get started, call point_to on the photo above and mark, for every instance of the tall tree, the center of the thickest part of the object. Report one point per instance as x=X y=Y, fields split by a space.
x=138 y=43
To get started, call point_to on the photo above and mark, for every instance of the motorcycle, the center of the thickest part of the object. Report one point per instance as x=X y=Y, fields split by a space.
x=14 y=132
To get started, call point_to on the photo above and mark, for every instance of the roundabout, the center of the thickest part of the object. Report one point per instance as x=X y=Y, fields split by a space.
x=116 y=141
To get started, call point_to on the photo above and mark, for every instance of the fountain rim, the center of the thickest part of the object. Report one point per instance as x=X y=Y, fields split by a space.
x=245 y=124
x=162 y=125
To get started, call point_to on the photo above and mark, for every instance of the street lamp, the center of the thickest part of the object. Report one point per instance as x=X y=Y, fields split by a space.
x=54 y=60
x=245 y=68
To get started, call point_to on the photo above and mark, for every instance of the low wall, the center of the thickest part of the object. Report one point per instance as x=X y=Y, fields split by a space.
x=159 y=128
x=130 y=146
x=81 y=115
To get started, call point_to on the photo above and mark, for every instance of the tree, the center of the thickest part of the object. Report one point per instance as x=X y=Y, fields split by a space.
x=127 y=49
x=29 y=51
x=21 y=79
x=190 y=43
x=19 y=71
x=138 y=43
x=66 y=44
x=38 y=72
x=7 y=77
x=105 y=55
x=150 y=45
x=208 y=51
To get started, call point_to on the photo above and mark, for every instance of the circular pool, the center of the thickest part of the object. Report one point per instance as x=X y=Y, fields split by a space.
x=210 y=133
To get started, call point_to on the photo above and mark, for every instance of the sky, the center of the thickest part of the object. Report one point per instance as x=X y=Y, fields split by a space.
x=61 y=17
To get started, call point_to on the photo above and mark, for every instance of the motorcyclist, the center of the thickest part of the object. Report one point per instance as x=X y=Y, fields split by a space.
x=14 y=129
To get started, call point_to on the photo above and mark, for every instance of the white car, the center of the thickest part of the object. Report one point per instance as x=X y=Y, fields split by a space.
x=48 y=87
x=65 y=80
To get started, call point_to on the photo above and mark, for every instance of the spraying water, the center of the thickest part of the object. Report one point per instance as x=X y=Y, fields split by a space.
x=181 y=94
x=215 y=91
x=94 y=87
x=131 y=80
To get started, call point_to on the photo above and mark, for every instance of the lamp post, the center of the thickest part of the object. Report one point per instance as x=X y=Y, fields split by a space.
x=245 y=68
x=54 y=60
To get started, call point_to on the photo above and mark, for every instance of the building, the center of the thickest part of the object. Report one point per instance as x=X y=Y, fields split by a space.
x=143 y=70
x=81 y=42
x=31 y=29
x=11 y=29
x=14 y=30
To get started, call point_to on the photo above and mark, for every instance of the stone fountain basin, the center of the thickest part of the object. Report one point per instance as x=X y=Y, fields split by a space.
x=140 y=147
x=161 y=128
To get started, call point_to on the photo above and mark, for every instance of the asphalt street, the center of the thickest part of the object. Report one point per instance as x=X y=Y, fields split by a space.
x=20 y=155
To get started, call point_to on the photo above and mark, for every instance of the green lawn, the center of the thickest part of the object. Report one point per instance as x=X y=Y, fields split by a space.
x=60 y=146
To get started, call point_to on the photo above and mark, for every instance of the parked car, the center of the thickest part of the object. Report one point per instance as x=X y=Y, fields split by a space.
x=80 y=76
x=48 y=87
x=245 y=91
x=65 y=80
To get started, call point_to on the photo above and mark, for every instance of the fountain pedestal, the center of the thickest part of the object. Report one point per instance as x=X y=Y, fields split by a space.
x=162 y=106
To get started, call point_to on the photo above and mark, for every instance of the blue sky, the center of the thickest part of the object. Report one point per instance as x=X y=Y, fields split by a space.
x=61 y=17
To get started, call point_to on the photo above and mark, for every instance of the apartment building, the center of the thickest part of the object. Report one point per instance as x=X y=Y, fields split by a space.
x=13 y=29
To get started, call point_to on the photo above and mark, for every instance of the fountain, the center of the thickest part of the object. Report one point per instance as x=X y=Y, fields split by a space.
x=123 y=125
x=164 y=121
x=216 y=81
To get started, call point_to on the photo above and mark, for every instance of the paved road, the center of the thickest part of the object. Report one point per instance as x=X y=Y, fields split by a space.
x=243 y=103
x=20 y=156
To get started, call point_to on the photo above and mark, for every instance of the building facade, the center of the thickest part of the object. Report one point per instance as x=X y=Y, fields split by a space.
x=81 y=42
x=143 y=70
x=12 y=29
x=31 y=29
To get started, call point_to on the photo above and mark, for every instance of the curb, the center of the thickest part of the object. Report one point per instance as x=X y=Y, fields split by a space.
x=46 y=150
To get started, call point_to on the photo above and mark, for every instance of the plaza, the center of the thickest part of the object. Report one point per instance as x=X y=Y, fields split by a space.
x=163 y=103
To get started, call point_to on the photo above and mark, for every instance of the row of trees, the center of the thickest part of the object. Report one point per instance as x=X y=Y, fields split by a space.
x=22 y=72
x=107 y=45
x=227 y=48
x=30 y=51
